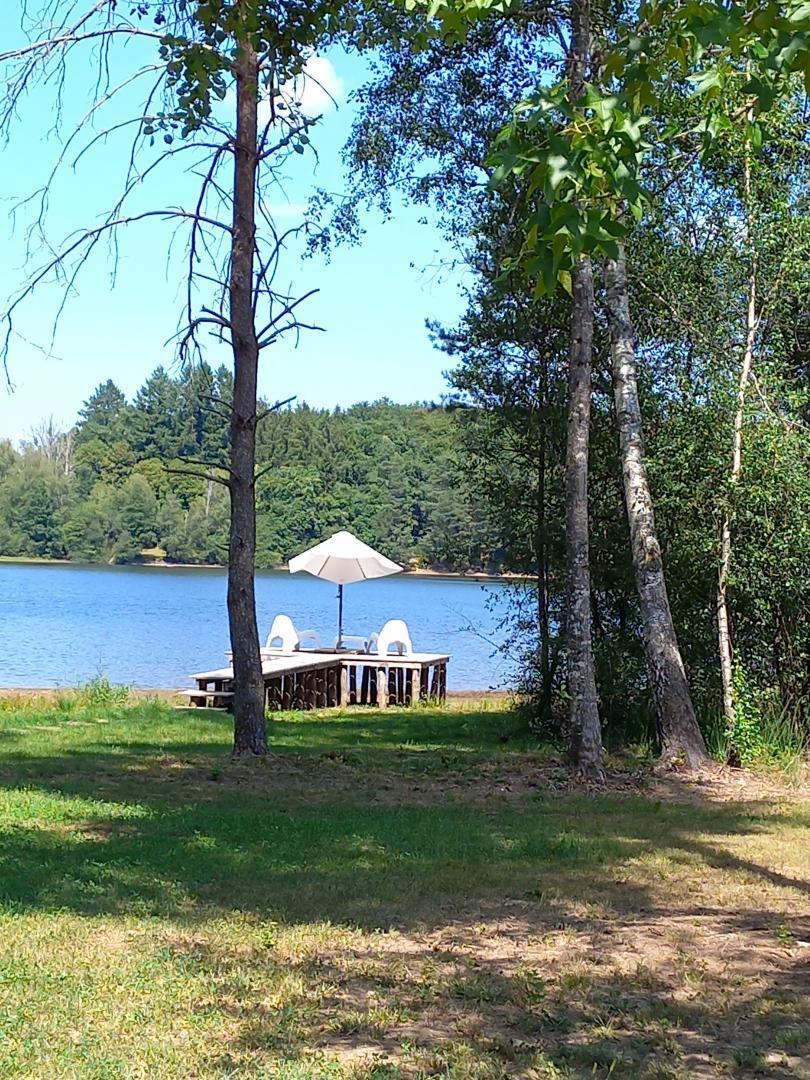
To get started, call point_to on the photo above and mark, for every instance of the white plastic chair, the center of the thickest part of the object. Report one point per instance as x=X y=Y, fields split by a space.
x=284 y=638
x=350 y=642
x=395 y=633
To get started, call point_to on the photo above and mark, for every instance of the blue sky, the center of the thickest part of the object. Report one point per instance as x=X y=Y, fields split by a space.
x=373 y=299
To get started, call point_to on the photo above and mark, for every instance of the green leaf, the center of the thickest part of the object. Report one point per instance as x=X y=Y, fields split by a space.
x=707 y=80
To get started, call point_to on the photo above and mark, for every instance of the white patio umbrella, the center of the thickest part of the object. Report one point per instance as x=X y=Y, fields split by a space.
x=343 y=559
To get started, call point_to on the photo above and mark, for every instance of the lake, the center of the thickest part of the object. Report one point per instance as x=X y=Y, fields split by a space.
x=151 y=626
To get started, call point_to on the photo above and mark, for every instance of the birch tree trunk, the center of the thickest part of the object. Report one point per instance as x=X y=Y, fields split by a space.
x=586 y=735
x=723 y=620
x=250 y=729
x=680 y=735
x=723 y=570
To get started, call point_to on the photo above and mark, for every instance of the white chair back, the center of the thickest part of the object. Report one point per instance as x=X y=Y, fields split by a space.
x=283 y=636
x=395 y=633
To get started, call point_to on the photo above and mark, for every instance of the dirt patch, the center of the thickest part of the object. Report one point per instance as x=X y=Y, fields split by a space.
x=723 y=784
x=700 y=993
x=421 y=778
x=406 y=779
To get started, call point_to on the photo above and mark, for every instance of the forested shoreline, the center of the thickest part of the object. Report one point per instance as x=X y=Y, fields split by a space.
x=139 y=480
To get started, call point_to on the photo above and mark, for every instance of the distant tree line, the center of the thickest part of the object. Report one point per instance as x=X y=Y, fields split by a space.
x=127 y=479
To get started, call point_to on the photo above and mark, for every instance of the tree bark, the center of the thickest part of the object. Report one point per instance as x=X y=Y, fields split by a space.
x=541 y=552
x=250 y=728
x=680 y=735
x=585 y=735
x=723 y=570
x=723 y=619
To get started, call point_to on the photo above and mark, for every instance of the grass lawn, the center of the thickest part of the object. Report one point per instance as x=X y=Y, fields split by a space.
x=399 y=895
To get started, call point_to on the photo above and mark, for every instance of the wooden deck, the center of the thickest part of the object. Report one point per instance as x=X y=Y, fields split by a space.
x=318 y=680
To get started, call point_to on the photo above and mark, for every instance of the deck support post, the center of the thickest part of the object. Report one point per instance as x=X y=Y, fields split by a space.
x=343 y=699
x=416 y=685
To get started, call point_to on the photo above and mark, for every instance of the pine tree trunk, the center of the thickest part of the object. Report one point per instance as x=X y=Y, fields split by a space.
x=250 y=728
x=586 y=735
x=680 y=735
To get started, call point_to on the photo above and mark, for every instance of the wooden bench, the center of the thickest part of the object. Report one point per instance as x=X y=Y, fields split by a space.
x=219 y=699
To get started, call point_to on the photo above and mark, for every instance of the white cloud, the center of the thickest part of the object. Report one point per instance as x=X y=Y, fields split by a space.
x=287 y=209
x=320 y=87
x=318 y=90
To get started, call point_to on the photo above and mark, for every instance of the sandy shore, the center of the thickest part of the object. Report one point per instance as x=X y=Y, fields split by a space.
x=468 y=575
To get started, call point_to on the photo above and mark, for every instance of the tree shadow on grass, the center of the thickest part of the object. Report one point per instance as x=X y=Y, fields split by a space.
x=599 y=1003
x=370 y=866
x=532 y=935
x=105 y=832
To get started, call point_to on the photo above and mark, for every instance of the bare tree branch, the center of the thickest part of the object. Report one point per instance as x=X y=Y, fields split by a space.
x=51 y=45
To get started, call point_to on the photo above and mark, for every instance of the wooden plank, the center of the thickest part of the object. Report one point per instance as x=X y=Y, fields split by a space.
x=287 y=692
x=344 y=686
x=277 y=666
x=382 y=688
x=334 y=685
x=273 y=693
x=197 y=698
x=311 y=696
x=364 y=686
x=207 y=693
x=416 y=685
x=208 y=699
x=434 y=683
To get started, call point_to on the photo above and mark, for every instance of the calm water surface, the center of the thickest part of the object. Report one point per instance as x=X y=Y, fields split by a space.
x=150 y=627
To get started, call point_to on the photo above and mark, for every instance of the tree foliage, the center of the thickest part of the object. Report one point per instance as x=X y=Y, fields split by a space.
x=392 y=474
x=509 y=357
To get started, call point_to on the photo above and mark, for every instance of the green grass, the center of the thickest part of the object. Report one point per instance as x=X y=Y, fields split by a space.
x=777 y=741
x=391 y=895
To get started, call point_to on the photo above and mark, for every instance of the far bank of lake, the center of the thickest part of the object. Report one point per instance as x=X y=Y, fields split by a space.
x=62 y=623
x=426 y=572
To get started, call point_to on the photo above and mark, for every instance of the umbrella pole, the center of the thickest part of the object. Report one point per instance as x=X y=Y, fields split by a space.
x=340 y=615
